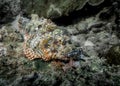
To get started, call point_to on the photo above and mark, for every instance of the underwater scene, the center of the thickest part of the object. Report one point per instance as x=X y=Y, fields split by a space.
x=59 y=42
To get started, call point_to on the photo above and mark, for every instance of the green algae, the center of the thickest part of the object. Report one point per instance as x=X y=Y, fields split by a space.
x=113 y=55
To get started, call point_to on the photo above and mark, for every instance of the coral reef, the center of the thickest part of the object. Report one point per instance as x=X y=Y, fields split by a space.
x=55 y=9
x=113 y=55
x=89 y=47
x=86 y=74
x=8 y=10
x=3 y=50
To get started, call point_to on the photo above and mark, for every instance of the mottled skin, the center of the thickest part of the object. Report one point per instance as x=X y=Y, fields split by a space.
x=49 y=44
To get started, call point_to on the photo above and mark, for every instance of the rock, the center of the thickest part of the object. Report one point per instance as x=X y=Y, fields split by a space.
x=3 y=82
x=0 y=37
x=88 y=43
x=9 y=34
x=95 y=2
x=26 y=80
x=72 y=30
x=113 y=55
x=66 y=83
x=8 y=10
x=3 y=50
x=82 y=27
x=54 y=8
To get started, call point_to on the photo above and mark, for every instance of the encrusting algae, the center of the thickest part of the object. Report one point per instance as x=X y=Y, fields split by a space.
x=42 y=39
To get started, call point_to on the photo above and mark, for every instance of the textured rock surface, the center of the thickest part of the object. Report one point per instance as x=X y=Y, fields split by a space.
x=55 y=8
x=113 y=55
x=93 y=35
x=8 y=9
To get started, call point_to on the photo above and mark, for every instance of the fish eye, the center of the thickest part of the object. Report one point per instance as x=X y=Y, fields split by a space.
x=39 y=26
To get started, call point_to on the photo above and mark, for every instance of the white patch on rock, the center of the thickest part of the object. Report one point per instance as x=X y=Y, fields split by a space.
x=74 y=38
x=88 y=43
x=3 y=50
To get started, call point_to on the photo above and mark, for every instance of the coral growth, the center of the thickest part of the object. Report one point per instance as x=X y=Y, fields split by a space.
x=113 y=55
x=3 y=50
